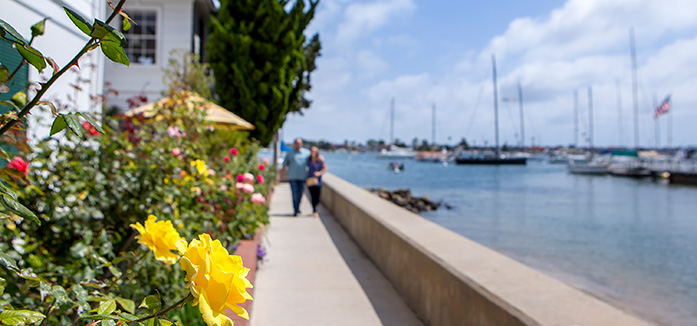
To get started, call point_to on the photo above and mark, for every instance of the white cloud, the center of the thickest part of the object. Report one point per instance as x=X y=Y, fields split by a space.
x=584 y=43
x=362 y=18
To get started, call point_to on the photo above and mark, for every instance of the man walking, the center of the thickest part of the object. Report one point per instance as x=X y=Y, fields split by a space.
x=295 y=164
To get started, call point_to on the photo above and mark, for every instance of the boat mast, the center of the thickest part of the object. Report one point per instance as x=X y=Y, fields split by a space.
x=619 y=114
x=392 y=123
x=634 y=89
x=522 y=121
x=590 y=118
x=576 y=118
x=433 y=125
x=496 y=105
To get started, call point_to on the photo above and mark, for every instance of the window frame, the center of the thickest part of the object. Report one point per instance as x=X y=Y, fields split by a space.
x=157 y=36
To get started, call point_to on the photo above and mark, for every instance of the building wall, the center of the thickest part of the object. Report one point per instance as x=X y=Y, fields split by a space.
x=174 y=31
x=61 y=41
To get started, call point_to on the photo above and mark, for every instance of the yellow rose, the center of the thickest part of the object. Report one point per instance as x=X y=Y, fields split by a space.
x=200 y=167
x=161 y=238
x=216 y=279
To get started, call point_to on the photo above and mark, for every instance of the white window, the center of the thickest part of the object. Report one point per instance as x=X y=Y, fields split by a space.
x=142 y=37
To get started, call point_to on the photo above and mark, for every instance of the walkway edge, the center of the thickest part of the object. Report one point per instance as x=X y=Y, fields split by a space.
x=450 y=280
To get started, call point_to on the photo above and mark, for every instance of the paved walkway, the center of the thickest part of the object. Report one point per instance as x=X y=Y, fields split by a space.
x=314 y=274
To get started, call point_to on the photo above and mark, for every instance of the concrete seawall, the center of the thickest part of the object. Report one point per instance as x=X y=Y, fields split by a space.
x=450 y=280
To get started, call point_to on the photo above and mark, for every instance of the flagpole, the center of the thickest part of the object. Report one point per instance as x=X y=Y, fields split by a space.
x=670 y=128
x=590 y=118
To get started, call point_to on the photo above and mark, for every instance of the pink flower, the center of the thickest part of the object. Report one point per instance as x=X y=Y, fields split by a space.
x=176 y=151
x=239 y=185
x=240 y=178
x=257 y=198
x=248 y=177
x=20 y=164
x=173 y=131
x=233 y=151
x=211 y=172
x=261 y=167
x=248 y=188
x=260 y=179
x=226 y=159
x=266 y=161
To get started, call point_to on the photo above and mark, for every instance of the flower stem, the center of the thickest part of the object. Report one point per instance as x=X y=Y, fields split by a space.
x=179 y=303
x=50 y=82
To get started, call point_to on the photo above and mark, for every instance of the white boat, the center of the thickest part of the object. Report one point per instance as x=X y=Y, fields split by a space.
x=396 y=153
x=588 y=168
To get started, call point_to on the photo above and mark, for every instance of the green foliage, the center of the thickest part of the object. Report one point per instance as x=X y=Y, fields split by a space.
x=83 y=258
x=261 y=61
x=185 y=72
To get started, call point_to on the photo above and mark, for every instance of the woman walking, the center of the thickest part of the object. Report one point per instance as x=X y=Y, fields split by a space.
x=316 y=168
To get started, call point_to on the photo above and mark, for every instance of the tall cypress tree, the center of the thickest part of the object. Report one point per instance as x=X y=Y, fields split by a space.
x=261 y=61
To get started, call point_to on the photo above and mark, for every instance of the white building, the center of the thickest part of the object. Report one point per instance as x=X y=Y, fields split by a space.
x=163 y=26
x=61 y=41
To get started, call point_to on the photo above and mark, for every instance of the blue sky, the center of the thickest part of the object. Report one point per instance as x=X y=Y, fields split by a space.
x=439 y=52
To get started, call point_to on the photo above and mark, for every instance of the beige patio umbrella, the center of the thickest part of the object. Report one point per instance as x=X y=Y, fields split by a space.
x=213 y=113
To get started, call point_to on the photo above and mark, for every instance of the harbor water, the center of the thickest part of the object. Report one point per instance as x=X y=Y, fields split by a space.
x=630 y=242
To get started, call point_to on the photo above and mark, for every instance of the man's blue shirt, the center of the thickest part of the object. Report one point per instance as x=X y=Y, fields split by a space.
x=297 y=164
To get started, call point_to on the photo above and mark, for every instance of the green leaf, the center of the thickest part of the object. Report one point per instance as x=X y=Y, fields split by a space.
x=151 y=302
x=8 y=262
x=79 y=250
x=59 y=293
x=20 y=317
x=17 y=208
x=6 y=190
x=107 y=322
x=32 y=55
x=99 y=29
x=126 y=24
x=19 y=99
x=73 y=123
x=6 y=28
x=2 y=285
x=91 y=121
x=103 y=317
x=106 y=307
x=4 y=74
x=38 y=28
x=126 y=304
x=58 y=125
x=80 y=22
x=44 y=289
x=112 y=49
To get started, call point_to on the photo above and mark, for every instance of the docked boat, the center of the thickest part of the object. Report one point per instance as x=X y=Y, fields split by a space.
x=490 y=159
x=628 y=164
x=497 y=158
x=588 y=168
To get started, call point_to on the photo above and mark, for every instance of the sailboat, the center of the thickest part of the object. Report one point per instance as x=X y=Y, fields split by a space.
x=395 y=152
x=591 y=166
x=497 y=158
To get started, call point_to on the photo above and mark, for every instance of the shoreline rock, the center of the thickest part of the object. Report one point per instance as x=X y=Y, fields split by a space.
x=404 y=198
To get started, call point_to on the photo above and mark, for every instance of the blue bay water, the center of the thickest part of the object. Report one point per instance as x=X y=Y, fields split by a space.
x=630 y=242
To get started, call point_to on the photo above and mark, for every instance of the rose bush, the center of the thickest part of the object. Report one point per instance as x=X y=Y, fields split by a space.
x=87 y=194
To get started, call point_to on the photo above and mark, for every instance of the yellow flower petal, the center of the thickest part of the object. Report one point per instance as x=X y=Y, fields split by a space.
x=160 y=237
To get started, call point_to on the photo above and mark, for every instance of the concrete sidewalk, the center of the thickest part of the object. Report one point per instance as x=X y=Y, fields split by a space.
x=314 y=274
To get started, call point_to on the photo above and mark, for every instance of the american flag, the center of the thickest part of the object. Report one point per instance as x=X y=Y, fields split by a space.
x=663 y=108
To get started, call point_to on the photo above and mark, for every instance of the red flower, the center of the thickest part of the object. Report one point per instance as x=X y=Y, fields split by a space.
x=240 y=178
x=260 y=179
x=20 y=164
x=90 y=128
x=261 y=167
x=226 y=159
x=233 y=151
